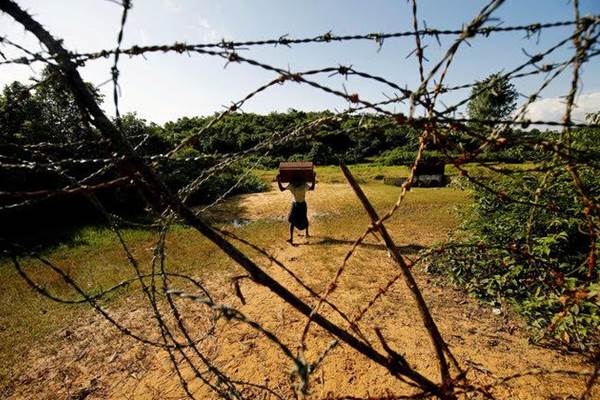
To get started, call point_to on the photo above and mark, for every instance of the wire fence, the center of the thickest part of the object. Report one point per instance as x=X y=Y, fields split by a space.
x=164 y=290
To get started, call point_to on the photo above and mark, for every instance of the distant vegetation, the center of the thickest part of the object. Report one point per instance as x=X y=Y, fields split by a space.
x=356 y=138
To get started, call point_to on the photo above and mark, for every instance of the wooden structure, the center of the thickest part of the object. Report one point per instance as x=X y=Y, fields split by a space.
x=296 y=171
x=430 y=173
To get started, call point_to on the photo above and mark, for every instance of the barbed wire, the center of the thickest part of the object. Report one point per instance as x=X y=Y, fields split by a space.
x=118 y=154
x=329 y=37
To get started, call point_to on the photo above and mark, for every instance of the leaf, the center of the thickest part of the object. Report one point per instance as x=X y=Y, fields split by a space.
x=565 y=337
x=575 y=309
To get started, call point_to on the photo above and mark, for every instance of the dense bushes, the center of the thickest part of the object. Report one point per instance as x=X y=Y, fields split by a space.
x=400 y=156
x=353 y=139
x=45 y=128
x=231 y=180
x=544 y=270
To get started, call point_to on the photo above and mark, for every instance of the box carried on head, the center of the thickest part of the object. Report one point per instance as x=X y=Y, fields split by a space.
x=296 y=171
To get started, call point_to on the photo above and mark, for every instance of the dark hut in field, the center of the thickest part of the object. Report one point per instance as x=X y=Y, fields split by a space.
x=429 y=173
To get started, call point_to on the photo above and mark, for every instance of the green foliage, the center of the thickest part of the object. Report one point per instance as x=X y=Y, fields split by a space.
x=48 y=113
x=493 y=98
x=353 y=139
x=400 y=156
x=593 y=117
x=181 y=171
x=587 y=140
x=543 y=270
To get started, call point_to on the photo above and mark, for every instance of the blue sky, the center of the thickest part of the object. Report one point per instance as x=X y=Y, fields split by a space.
x=165 y=87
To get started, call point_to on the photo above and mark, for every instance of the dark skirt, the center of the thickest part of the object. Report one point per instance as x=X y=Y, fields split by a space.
x=297 y=216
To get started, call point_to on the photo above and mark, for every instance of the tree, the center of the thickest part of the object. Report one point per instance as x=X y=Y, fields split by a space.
x=47 y=112
x=492 y=98
x=20 y=115
x=59 y=108
x=587 y=139
x=593 y=117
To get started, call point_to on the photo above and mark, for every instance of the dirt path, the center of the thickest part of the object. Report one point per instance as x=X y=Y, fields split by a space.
x=96 y=362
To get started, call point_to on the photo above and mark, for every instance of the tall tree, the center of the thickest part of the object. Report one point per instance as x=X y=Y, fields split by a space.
x=45 y=112
x=492 y=98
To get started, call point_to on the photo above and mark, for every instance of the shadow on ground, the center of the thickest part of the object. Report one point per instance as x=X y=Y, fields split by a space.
x=317 y=240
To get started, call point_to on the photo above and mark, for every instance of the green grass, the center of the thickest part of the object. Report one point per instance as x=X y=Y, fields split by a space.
x=368 y=172
x=96 y=261
x=332 y=174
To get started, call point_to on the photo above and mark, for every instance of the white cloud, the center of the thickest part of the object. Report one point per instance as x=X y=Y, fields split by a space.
x=171 y=6
x=143 y=35
x=209 y=34
x=553 y=108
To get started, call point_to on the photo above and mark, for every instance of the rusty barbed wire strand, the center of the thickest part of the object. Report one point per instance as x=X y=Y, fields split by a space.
x=115 y=68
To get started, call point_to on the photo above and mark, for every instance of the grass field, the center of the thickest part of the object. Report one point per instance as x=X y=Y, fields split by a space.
x=370 y=172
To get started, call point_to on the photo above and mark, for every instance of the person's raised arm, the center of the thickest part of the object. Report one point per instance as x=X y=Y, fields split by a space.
x=278 y=178
x=314 y=181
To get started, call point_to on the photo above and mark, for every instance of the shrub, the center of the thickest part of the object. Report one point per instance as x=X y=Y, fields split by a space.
x=401 y=156
x=183 y=170
x=545 y=271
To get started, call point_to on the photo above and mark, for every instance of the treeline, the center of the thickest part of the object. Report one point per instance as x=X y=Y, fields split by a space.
x=356 y=138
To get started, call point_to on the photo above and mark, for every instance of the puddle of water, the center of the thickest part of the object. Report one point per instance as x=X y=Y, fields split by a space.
x=239 y=222
x=320 y=214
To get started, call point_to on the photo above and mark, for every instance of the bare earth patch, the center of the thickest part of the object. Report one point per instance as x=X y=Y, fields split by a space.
x=92 y=360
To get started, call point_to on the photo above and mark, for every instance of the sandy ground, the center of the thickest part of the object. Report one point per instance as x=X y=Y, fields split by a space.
x=94 y=361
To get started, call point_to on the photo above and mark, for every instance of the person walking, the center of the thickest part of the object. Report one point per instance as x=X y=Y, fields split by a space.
x=298 y=213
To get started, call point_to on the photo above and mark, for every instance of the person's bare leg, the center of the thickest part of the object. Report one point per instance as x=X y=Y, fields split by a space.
x=307 y=224
x=291 y=239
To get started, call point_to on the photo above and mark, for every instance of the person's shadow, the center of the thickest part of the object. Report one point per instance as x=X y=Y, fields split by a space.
x=320 y=240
